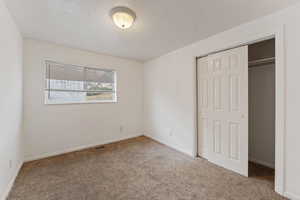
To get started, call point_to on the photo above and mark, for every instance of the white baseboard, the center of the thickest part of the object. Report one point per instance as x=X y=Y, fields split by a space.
x=11 y=183
x=271 y=165
x=170 y=145
x=291 y=196
x=78 y=148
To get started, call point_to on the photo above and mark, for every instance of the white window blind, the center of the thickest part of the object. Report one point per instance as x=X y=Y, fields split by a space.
x=76 y=84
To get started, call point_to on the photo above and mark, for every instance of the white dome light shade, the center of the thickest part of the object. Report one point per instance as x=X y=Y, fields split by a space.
x=123 y=17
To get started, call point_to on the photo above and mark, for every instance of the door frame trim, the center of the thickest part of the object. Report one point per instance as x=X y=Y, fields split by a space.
x=280 y=98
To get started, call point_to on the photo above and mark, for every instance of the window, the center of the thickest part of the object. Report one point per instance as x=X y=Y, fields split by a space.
x=75 y=84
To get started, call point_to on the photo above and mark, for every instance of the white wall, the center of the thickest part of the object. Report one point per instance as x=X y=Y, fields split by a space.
x=54 y=129
x=11 y=157
x=169 y=89
x=262 y=114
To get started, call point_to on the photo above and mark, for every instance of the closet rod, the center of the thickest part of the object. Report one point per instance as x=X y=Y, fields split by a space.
x=261 y=61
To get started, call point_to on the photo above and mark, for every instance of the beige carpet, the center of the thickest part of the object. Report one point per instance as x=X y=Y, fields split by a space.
x=138 y=169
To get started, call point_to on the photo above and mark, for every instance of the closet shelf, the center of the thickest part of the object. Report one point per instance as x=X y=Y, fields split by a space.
x=261 y=61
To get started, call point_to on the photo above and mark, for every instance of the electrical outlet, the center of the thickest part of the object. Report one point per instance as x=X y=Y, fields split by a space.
x=10 y=164
x=121 y=129
x=171 y=132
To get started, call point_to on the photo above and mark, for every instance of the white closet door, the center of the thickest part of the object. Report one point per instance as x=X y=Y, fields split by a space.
x=223 y=109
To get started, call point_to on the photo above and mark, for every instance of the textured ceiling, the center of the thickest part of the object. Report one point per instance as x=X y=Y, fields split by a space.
x=161 y=25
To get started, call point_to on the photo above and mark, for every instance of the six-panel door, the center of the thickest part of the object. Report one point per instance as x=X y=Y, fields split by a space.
x=223 y=109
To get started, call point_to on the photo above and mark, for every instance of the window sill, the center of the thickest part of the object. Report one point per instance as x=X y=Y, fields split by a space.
x=80 y=102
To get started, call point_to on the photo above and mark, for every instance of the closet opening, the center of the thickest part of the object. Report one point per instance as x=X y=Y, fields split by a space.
x=261 y=88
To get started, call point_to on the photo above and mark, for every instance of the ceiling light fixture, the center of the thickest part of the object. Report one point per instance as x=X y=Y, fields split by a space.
x=123 y=17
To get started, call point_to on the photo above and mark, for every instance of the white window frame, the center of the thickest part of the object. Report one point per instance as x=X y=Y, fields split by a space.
x=46 y=91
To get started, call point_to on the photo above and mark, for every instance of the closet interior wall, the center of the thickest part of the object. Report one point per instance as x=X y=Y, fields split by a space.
x=262 y=103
